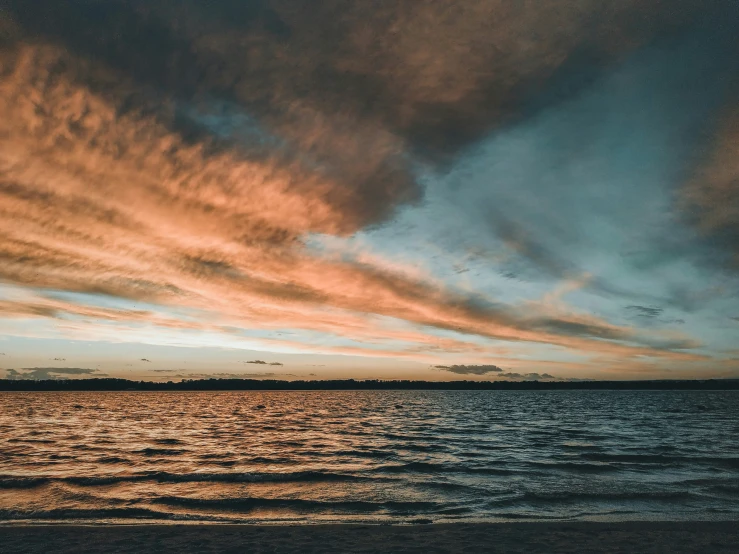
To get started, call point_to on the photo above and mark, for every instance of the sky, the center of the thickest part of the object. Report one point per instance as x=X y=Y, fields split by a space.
x=416 y=189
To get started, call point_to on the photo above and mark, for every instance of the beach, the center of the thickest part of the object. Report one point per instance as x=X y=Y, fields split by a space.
x=642 y=537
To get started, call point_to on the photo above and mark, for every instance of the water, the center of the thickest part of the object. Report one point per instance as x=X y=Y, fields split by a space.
x=374 y=456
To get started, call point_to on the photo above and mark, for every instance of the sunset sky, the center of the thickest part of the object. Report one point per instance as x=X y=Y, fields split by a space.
x=421 y=189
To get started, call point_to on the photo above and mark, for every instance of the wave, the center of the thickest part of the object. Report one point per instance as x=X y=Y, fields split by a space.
x=81 y=513
x=359 y=453
x=167 y=441
x=271 y=460
x=732 y=490
x=90 y=514
x=22 y=482
x=430 y=467
x=583 y=467
x=664 y=459
x=630 y=458
x=12 y=482
x=247 y=504
x=161 y=452
x=539 y=498
x=112 y=460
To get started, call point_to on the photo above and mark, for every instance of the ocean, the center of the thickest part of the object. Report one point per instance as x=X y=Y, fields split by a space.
x=368 y=456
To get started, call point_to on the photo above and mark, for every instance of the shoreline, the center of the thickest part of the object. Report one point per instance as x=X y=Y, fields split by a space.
x=524 y=537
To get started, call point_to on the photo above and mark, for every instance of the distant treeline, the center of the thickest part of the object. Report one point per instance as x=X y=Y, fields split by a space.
x=351 y=384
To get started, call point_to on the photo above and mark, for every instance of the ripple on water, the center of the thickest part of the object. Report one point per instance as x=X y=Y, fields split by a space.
x=383 y=455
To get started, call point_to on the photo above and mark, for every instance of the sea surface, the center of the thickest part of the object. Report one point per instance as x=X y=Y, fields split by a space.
x=369 y=456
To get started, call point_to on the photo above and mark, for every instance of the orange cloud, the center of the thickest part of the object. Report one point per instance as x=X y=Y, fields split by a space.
x=104 y=189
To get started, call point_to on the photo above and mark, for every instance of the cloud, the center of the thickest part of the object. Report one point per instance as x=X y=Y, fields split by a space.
x=529 y=248
x=711 y=197
x=185 y=155
x=645 y=311
x=469 y=369
x=653 y=315
x=532 y=376
x=145 y=360
x=258 y=362
x=42 y=373
x=276 y=363
x=443 y=77
x=539 y=377
x=511 y=375
x=225 y=375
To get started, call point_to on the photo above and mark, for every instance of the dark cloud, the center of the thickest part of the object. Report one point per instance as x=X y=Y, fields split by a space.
x=711 y=198
x=580 y=328
x=26 y=309
x=224 y=375
x=242 y=375
x=228 y=84
x=652 y=315
x=145 y=360
x=258 y=362
x=276 y=363
x=645 y=311
x=469 y=369
x=60 y=359
x=539 y=377
x=41 y=373
x=529 y=376
x=529 y=248
x=343 y=88
x=669 y=344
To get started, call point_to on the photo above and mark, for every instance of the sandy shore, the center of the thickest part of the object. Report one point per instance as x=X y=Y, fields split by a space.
x=641 y=537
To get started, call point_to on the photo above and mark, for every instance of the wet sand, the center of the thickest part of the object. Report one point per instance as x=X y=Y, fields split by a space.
x=642 y=537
